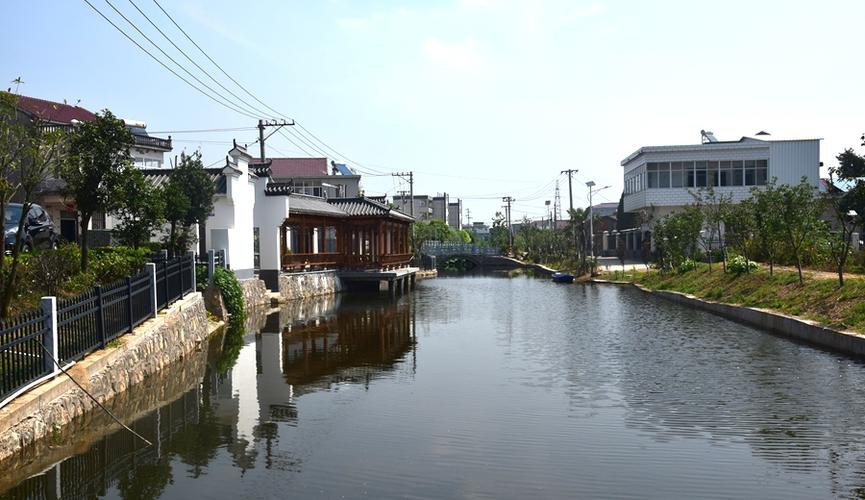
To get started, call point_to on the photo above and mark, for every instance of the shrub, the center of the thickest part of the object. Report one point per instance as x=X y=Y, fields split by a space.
x=740 y=264
x=47 y=272
x=686 y=266
x=200 y=277
x=110 y=264
x=231 y=292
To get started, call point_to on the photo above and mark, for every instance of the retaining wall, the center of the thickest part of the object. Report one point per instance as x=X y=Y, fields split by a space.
x=154 y=345
x=797 y=328
x=254 y=292
x=294 y=286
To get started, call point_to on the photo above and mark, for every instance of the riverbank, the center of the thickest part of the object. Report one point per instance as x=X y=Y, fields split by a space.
x=819 y=311
x=150 y=348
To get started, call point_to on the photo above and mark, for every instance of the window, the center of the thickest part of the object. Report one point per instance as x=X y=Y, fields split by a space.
x=97 y=221
x=677 y=174
x=700 y=174
x=750 y=173
x=658 y=175
x=725 y=173
x=738 y=178
x=761 y=173
x=712 y=173
x=689 y=173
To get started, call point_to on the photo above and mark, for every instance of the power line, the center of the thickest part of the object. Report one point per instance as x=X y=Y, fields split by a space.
x=118 y=28
x=202 y=131
x=193 y=62
x=232 y=106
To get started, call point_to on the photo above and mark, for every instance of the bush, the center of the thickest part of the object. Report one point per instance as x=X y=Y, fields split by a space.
x=231 y=292
x=686 y=266
x=110 y=264
x=739 y=265
x=47 y=272
x=200 y=277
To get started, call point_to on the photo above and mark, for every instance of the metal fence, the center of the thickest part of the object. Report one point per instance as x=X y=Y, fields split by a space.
x=71 y=328
x=212 y=260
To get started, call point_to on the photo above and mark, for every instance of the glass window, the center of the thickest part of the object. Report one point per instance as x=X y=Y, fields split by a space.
x=689 y=173
x=761 y=172
x=750 y=173
x=97 y=220
x=725 y=174
x=652 y=174
x=736 y=166
x=712 y=173
x=677 y=174
x=664 y=175
x=700 y=174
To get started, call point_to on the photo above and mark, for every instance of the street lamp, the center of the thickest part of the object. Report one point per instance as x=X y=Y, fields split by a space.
x=590 y=185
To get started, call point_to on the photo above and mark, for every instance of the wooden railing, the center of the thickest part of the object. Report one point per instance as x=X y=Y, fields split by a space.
x=300 y=260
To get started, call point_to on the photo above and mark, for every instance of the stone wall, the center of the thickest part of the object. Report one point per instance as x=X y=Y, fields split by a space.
x=154 y=345
x=296 y=286
x=254 y=292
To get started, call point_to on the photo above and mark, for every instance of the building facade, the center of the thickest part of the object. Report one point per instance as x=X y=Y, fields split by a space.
x=313 y=176
x=659 y=180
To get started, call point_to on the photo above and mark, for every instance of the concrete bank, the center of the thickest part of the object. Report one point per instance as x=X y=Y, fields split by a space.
x=804 y=330
x=294 y=286
x=153 y=346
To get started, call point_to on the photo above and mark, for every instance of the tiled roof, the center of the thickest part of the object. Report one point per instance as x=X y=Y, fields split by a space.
x=53 y=111
x=304 y=204
x=261 y=169
x=365 y=207
x=287 y=168
x=159 y=176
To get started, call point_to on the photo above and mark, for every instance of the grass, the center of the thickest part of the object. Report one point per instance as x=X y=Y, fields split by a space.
x=819 y=298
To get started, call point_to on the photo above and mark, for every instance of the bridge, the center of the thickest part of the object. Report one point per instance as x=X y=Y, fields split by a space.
x=481 y=257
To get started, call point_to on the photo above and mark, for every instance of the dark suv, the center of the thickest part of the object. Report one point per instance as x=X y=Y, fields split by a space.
x=38 y=228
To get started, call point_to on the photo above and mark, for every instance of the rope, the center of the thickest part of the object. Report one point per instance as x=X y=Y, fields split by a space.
x=106 y=410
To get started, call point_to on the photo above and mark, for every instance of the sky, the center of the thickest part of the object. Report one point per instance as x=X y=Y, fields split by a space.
x=481 y=99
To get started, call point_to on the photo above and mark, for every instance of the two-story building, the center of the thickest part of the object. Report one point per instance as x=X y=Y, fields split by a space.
x=660 y=180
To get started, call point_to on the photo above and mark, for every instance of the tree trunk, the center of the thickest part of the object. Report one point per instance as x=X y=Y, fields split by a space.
x=171 y=238
x=841 y=274
x=799 y=268
x=85 y=254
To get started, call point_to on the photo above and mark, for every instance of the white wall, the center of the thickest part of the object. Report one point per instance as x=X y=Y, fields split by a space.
x=269 y=214
x=230 y=226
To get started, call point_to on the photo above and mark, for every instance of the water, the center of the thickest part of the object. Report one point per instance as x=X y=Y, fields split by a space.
x=482 y=387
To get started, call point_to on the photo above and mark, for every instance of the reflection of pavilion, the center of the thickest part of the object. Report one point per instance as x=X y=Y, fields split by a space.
x=355 y=345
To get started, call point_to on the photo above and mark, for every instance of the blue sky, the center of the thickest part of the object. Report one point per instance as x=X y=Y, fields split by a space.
x=480 y=98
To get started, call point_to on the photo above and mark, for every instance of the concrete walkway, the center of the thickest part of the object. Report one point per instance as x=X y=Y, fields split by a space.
x=613 y=264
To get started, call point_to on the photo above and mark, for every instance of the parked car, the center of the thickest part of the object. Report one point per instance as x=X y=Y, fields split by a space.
x=38 y=228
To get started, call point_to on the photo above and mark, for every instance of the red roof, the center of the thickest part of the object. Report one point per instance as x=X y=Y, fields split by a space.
x=53 y=111
x=296 y=167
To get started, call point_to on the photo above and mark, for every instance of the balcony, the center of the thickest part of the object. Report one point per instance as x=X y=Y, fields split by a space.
x=146 y=141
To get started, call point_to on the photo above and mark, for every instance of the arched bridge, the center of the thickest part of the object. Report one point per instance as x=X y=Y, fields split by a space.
x=482 y=257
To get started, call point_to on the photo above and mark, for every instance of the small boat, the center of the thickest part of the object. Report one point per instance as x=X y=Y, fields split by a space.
x=563 y=278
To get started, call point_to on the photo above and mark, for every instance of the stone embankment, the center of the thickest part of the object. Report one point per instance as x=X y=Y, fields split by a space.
x=153 y=346
x=296 y=286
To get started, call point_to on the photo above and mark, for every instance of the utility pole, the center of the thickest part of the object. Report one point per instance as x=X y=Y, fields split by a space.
x=410 y=176
x=469 y=216
x=571 y=172
x=262 y=124
x=509 y=200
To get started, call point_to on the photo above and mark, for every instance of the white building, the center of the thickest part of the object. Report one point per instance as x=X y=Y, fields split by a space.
x=662 y=179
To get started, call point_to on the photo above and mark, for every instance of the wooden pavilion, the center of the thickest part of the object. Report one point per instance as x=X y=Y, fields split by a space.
x=344 y=233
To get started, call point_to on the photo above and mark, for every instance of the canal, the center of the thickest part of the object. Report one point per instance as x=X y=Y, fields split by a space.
x=482 y=387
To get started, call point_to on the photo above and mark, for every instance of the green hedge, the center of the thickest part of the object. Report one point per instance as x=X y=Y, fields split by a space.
x=231 y=292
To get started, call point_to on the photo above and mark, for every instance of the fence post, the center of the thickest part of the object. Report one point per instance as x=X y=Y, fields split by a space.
x=194 y=277
x=151 y=269
x=49 y=339
x=163 y=254
x=129 y=302
x=165 y=282
x=100 y=317
x=211 y=265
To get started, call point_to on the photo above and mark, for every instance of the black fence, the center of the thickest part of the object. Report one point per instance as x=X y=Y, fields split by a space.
x=22 y=359
x=87 y=322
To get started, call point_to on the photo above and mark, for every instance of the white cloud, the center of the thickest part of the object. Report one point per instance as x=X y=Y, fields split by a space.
x=458 y=56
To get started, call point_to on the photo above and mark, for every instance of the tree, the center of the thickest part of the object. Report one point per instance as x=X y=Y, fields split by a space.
x=677 y=235
x=499 y=233
x=847 y=207
x=739 y=228
x=714 y=207
x=188 y=198
x=141 y=210
x=768 y=226
x=13 y=135
x=95 y=170
x=800 y=215
x=37 y=152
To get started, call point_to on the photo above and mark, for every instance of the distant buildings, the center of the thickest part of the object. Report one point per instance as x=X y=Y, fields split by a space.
x=427 y=208
x=313 y=176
